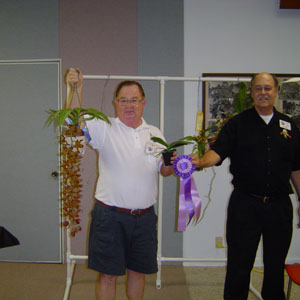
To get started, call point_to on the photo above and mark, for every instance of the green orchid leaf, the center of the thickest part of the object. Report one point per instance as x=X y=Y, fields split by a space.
x=189 y=138
x=57 y=115
x=171 y=146
x=240 y=99
x=53 y=115
x=74 y=114
x=179 y=144
x=87 y=119
x=63 y=115
x=160 y=141
x=94 y=113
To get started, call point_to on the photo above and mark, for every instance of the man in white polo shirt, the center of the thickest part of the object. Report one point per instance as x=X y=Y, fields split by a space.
x=123 y=235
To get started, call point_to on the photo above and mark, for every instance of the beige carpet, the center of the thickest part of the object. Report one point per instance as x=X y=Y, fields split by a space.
x=173 y=285
x=30 y=281
x=207 y=283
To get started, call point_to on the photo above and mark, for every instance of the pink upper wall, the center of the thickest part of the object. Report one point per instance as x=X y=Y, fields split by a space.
x=100 y=37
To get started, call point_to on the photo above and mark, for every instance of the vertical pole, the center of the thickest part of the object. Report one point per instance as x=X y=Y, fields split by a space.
x=68 y=237
x=160 y=188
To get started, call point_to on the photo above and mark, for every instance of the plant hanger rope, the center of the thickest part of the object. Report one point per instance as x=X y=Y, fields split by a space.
x=103 y=92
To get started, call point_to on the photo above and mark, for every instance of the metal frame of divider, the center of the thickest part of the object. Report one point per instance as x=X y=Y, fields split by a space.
x=71 y=259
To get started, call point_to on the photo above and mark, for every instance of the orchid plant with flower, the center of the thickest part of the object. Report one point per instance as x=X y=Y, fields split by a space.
x=171 y=146
x=166 y=149
x=72 y=144
x=241 y=102
x=201 y=141
x=207 y=137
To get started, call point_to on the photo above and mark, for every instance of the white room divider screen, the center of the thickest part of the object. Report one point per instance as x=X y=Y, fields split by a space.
x=71 y=259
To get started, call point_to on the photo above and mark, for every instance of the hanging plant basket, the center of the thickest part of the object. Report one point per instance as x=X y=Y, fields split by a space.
x=72 y=147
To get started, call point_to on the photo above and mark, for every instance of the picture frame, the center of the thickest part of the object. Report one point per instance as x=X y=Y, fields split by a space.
x=218 y=95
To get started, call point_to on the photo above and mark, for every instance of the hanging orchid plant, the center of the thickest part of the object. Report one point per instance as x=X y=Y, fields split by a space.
x=77 y=115
x=72 y=144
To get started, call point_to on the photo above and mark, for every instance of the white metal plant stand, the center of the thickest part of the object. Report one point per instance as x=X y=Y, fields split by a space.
x=71 y=259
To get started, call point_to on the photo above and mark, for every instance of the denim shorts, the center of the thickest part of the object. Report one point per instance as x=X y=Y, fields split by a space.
x=120 y=241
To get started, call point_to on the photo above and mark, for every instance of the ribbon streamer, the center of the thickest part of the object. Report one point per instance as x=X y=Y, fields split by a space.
x=189 y=200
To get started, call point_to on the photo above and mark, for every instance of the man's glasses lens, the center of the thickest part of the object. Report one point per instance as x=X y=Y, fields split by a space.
x=133 y=101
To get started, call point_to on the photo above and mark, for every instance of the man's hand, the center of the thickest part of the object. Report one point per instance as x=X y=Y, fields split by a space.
x=210 y=158
x=195 y=159
x=74 y=77
x=174 y=156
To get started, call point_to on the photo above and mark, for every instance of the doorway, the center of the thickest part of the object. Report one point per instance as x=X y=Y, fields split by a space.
x=29 y=201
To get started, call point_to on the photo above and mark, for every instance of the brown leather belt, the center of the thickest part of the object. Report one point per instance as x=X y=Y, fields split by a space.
x=134 y=212
x=265 y=199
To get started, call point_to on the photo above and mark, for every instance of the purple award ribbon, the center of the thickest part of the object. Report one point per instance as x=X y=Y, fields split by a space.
x=189 y=200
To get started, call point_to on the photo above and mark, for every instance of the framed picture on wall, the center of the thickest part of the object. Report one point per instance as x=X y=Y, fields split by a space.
x=218 y=95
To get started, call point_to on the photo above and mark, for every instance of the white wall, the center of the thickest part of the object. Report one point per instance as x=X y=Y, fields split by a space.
x=231 y=36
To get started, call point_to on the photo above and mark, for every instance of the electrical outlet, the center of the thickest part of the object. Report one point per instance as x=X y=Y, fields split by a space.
x=219 y=242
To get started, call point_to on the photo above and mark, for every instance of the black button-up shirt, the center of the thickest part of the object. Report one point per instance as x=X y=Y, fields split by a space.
x=262 y=155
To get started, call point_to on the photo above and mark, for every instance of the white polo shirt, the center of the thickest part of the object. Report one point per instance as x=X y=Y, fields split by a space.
x=128 y=177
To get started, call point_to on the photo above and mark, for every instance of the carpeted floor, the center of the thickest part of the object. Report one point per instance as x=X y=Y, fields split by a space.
x=172 y=280
x=207 y=283
x=30 y=281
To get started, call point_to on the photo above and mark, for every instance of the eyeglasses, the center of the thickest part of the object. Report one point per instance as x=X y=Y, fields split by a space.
x=133 y=101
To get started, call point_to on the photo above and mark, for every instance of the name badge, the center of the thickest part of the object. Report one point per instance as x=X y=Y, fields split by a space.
x=285 y=124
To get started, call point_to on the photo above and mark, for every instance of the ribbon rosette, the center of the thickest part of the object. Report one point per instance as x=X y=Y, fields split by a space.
x=189 y=200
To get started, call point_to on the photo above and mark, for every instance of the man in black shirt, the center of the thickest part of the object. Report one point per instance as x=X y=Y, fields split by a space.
x=263 y=146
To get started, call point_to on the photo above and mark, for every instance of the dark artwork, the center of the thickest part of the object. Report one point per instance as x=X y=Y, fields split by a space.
x=290 y=96
x=220 y=95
